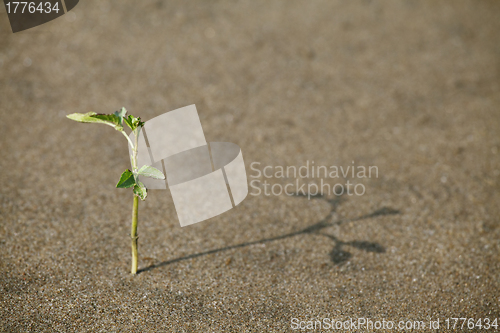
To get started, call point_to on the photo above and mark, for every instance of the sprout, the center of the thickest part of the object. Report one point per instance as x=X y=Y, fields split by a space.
x=128 y=178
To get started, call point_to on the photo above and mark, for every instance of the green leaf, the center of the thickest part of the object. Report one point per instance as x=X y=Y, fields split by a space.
x=92 y=117
x=126 y=180
x=149 y=171
x=128 y=121
x=109 y=119
x=133 y=122
x=140 y=190
x=121 y=114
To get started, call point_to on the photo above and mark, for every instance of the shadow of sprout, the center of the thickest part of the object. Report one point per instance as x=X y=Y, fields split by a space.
x=338 y=255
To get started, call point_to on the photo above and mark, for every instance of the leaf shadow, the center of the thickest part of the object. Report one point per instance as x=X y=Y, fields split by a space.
x=338 y=255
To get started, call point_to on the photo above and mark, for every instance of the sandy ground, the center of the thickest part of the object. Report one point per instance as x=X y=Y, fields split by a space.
x=412 y=87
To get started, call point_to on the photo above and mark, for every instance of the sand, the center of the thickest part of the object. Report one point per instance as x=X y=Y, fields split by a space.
x=410 y=87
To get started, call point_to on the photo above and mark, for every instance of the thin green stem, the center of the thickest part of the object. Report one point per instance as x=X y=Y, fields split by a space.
x=136 y=135
x=135 y=210
x=133 y=234
x=128 y=139
x=131 y=144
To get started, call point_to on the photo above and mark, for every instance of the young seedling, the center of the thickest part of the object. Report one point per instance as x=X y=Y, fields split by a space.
x=128 y=178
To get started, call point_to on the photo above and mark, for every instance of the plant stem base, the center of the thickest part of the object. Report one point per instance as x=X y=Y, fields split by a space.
x=134 y=254
x=133 y=234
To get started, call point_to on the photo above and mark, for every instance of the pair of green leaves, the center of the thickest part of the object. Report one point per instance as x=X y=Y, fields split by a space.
x=128 y=179
x=115 y=120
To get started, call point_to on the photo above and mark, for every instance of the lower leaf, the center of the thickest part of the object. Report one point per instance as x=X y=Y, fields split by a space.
x=140 y=190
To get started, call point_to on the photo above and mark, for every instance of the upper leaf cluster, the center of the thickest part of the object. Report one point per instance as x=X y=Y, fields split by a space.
x=115 y=120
